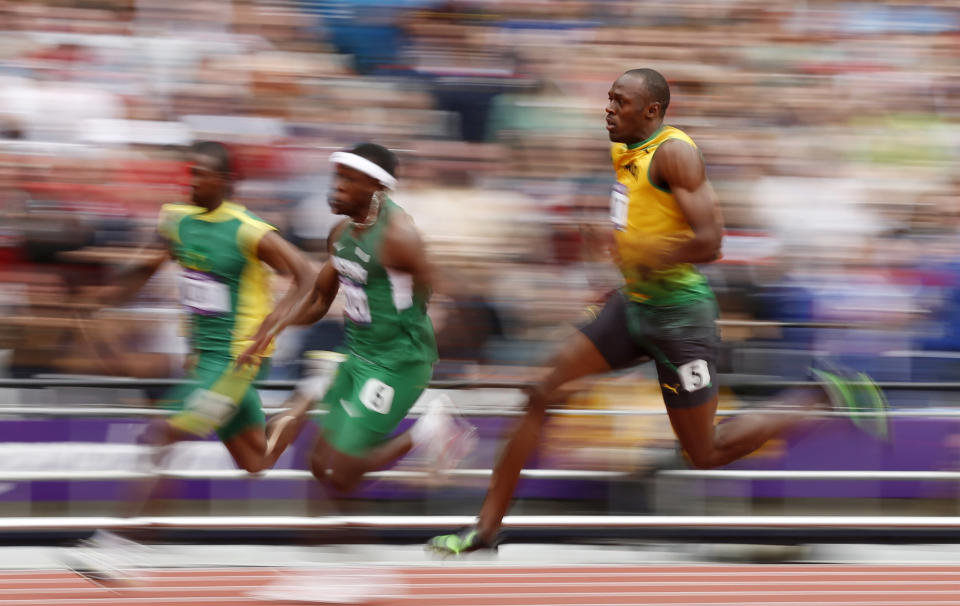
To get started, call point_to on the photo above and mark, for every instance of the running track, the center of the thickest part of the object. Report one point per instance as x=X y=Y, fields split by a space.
x=457 y=584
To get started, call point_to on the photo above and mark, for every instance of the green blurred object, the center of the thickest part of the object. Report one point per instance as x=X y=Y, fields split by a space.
x=860 y=398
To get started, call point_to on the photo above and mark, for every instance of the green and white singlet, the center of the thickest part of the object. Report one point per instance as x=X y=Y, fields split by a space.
x=390 y=341
x=386 y=323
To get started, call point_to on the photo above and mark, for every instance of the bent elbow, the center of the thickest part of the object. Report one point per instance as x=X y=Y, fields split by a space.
x=710 y=246
x=307 y=276
x=715 y=251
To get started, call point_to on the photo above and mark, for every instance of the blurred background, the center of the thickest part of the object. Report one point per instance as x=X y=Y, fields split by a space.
x=830 y=129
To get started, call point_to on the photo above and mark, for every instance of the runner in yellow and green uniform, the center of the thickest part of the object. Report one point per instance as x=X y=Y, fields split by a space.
x=665 y=219
x=223 y=251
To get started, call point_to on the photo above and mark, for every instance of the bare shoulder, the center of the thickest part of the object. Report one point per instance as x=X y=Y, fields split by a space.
x=401 y=231
x=336 y=232
x=679 y=164
x=402 y=246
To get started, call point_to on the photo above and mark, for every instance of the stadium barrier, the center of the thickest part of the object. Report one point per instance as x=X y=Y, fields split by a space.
x=692 y=527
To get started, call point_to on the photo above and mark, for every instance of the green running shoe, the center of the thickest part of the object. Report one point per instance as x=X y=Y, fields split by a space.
x=465 y=541
x=871 y=400
x=858 y=397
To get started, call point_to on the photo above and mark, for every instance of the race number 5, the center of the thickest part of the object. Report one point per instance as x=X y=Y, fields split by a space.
x=694 y=375
x=377 y=396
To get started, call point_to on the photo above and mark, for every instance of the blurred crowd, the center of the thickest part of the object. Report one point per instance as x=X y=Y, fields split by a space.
x=830 y=129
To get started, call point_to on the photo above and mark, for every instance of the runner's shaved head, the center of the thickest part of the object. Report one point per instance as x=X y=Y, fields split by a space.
x=650 y=83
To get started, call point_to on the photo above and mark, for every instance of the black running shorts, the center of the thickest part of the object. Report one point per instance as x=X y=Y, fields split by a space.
x=682 y=339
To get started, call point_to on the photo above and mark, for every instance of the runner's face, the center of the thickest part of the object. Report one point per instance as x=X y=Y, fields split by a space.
x=629 y=111
x=206 y=182
x=351 y=191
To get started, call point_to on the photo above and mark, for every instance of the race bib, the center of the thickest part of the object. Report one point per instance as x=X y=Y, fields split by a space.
x=205 y=411
x=357 y=307
x=377 y=396
x=203 y=293
x=694 y=375
x=619 y=203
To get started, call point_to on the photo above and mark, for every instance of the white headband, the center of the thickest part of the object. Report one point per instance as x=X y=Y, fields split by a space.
x=365 y=166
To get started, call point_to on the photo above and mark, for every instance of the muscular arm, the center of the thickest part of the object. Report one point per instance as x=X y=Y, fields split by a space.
x=131 y=277
x=325 y=287
x=324 y=292
x=679 y=166
x=284 y=258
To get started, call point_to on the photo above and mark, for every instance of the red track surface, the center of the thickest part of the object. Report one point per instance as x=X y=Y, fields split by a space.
x=458 y=584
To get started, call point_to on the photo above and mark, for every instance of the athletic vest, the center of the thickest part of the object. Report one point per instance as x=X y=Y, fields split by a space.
x=386 y=323
x=223 y=284
x=646 y=219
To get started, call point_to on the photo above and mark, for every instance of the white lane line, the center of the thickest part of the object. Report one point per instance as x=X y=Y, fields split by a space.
x=559 y=570
x=62 y=575
x=451 y=600
x=518 y=585
x=736 y=603
x=608 y=577
x=744 y=575
x=91 y=588
x=123 y=601
x=574 y=589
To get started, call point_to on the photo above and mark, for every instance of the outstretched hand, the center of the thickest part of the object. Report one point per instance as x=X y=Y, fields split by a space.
x=254 y=351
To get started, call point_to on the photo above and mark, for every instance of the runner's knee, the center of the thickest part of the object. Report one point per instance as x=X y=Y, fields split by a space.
x=251 y=462
x=157 y=434
x=537 y=400
x=253 y=466
x=703 y=459
x=318 y=467
x=343 y=480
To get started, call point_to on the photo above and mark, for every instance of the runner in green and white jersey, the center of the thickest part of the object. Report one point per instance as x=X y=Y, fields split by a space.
x=377 y=260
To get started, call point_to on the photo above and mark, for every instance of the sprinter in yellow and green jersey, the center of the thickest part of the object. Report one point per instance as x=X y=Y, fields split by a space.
x=665 y=220
x=223 y=251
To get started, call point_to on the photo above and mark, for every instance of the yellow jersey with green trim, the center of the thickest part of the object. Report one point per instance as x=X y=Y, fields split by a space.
x=223 y=284
x=646 y=220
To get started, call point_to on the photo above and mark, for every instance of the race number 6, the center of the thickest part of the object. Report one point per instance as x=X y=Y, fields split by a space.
x=377 y=396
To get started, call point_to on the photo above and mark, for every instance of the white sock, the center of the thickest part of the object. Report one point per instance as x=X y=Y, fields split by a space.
x=314 y=387
x=425 y=430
